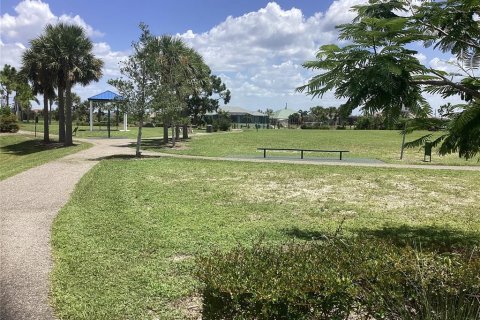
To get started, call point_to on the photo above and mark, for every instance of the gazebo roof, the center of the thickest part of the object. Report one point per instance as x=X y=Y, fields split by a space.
x=106 y=96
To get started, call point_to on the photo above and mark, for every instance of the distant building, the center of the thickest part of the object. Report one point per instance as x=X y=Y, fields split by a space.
x=241 y=116
x=281 y=116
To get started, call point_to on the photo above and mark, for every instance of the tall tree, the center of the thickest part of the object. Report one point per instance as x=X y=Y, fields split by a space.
x=207 y=99
x=138 y=86
x=8 y=81
x=71 y=56
x=35 y=67
x=182 y=73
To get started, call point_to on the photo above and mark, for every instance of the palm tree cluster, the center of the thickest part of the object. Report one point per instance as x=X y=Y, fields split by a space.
x=57 y=60
x=165 y=76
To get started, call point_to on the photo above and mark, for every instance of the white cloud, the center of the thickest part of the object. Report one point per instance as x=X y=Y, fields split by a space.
x=261 y=52
x=31 y=18
x=450 y=65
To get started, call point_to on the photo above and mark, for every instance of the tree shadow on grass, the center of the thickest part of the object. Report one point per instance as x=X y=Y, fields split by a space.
x=125 y=157
x=312 y=235
x=30 y=146
x=158 y=144
x=433 y=238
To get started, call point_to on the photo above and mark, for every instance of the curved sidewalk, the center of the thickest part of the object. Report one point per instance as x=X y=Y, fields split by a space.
x=29 y=202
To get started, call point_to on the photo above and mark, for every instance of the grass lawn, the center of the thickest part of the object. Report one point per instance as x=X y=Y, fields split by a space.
x=21 y=152
x=371 y=144
x=132 y=256
x=98 y=132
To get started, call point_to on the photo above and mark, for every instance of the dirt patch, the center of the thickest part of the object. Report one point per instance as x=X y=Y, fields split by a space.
x=190 y=307
x=180 y=257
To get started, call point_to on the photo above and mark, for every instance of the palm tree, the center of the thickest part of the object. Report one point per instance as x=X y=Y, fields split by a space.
x=182 y=72
x=72 y=59
x=35 y=67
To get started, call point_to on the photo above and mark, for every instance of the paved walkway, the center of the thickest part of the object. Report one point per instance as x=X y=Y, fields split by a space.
x=30 y=201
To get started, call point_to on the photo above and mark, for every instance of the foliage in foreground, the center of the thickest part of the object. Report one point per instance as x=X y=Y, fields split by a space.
x=335 y=279
x=379 y=72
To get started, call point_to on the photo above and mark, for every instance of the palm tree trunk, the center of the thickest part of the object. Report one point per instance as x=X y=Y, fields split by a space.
x=46 y=137
x=61 y=114
x=50 y=112
x=68 y=114
x=185 y=131
x=139 y=137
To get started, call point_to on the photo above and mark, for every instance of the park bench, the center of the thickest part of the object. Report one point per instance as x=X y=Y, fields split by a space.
x=301 y=151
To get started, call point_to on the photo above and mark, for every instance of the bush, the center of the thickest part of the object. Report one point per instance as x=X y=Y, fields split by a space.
x=223 y=123
x=335 y=279
x=315 y=125
x=8 y=121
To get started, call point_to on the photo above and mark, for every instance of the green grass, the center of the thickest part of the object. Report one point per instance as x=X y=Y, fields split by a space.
x=132 y=256
x=383 y=145
x=21 y=152
x=98 y=132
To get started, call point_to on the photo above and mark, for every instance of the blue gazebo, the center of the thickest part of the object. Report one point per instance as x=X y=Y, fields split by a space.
x=106 y=97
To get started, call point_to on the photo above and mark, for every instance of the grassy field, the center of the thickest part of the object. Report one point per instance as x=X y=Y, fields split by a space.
x=132 y=256
x=370 y=144
x=21 y=152
x=98 y=132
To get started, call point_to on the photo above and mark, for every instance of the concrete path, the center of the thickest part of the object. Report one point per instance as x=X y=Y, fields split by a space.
x=30 y=201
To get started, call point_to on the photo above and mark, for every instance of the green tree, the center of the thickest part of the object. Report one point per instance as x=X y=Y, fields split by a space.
x=23 y=97
x=8 y=82
x=139 y=85
x=379 y=73
x=182 y=73
x=207 y=99
x=36 y=68
x=375 y=72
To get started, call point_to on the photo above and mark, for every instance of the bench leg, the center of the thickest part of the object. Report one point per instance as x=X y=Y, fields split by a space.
x=301 y=156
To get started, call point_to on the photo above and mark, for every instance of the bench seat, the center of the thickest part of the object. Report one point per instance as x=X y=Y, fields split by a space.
x=301 y=151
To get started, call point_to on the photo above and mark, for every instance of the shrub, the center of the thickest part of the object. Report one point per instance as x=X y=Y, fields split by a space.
x=315 y=125
x=8 y=121
x=223 y=122
x=335 y=279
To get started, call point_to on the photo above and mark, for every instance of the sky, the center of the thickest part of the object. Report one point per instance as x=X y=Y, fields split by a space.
x=257 y=47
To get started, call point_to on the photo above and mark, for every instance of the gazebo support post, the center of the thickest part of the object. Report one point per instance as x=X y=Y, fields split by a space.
x=108 y=123
x=91 y=116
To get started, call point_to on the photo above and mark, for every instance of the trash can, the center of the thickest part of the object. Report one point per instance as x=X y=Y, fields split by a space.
x=209 y=128
x=428 y=152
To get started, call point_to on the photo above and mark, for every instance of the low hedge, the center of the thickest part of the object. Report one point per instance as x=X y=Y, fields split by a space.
x=338 y=279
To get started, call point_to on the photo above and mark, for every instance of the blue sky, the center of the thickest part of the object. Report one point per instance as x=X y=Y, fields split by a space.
x=256 y=47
